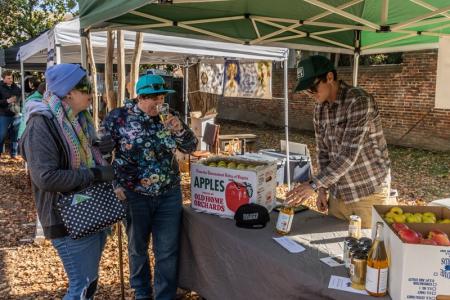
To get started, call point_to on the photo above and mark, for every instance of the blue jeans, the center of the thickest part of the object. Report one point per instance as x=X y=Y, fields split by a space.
x=9 y=125
x=81 y=259
x=160 y=217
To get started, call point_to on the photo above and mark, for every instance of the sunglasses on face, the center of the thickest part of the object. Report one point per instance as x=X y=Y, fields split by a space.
x=84 y=86
x=155 y=86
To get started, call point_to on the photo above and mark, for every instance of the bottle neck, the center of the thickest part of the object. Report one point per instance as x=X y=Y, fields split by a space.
x=379 y=232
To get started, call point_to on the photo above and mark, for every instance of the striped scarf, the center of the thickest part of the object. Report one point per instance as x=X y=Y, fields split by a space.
x=78 y=132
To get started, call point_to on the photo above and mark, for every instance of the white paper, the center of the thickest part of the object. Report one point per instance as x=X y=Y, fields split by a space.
x=331 y=261
x=289 y=244
x=343 y=284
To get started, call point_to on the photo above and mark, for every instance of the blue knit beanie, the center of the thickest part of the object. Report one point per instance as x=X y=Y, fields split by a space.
x=62 y=78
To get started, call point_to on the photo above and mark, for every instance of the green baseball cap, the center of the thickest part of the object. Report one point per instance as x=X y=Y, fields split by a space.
x=152 y=84
x=310 y=68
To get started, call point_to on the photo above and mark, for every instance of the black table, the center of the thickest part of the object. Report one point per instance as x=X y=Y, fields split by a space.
x=221 y=261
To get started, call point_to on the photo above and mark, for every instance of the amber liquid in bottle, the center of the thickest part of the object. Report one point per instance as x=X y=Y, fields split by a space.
x=284 y=221
x=377 y=265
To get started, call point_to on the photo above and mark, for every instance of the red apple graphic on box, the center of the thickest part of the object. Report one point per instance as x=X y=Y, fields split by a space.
x=237 y=194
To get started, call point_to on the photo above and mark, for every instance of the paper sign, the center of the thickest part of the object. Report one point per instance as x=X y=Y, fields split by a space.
x=289 y=244
x=333 y=261
x=343 y=284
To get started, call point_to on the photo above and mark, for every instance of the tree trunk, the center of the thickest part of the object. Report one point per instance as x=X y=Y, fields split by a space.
x=135 y=63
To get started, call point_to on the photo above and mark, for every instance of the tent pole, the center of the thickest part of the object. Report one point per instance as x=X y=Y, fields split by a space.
x=95 y=102
x=186 y=91
x=57 y=54
x=355 y=68
x=286 y=122
x=22 y=78
x=83 y=44
x=356 y=54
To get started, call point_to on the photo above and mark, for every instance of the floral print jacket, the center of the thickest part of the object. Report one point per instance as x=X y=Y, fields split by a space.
x=145 y=151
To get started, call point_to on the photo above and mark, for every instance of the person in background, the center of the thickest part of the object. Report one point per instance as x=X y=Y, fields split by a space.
x=10 y=95
x=354 y=165
x=31 y=105
x=57 y=145
x=148 y=178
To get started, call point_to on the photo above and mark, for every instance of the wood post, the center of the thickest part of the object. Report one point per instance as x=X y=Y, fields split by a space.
x=94 y=80
x=120 y=68
x=109 y=83
x=135 y=62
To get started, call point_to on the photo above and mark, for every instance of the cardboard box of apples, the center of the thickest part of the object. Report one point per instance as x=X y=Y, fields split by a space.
x=418 y=246
x=220 y=184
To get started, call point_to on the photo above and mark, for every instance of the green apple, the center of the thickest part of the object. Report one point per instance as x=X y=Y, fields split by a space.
x=428 y=219
x=397 y=210
x=212 y=164
x=241 y=167
x=231 y=165
x=399 y=219
x=222 y=164
x=430 y=215
x=407 y=214
x=418 y=216
x=389 y=220
x=390 y=214
x=413 y=219
x=444 y=221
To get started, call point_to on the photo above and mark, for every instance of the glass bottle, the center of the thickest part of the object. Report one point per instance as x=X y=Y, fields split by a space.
x=377 y=265
x=284 y=221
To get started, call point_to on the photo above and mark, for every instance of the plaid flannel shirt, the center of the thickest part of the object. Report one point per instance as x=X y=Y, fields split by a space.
x=352 y=151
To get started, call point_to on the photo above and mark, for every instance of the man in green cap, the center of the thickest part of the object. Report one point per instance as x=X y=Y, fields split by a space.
x=354 y=166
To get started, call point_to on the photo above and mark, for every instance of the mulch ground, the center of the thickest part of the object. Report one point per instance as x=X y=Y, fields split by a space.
x=30 y=270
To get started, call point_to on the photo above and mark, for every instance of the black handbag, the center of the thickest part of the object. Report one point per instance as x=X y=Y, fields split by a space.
x=90 y=210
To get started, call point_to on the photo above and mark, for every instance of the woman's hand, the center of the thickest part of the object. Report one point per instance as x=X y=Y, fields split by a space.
x=120 y=193
x=173 y=124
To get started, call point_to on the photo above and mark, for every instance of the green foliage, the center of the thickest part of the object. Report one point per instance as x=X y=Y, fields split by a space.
x=25 y=19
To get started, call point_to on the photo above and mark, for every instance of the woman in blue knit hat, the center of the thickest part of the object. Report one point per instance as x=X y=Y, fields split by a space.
x=57 y=145
x=148 y=178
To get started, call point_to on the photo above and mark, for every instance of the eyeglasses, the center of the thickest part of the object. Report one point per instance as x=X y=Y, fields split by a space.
x=155 y=86
x=84 y=86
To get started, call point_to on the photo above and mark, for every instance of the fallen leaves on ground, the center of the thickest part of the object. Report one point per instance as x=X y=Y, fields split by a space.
x=33 y=271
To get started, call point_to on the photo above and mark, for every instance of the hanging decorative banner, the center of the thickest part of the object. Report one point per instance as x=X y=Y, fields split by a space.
x=251 y=80
x=211 y=78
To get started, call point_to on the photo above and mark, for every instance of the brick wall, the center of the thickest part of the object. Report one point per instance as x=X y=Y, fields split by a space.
x=405 y=95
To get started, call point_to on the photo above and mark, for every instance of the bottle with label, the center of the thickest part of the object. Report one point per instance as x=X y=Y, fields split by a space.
x=377 y=265
x=284 y=221
x=354 y=227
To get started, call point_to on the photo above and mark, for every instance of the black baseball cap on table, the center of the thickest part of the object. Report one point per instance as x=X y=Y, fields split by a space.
x=252 y=215
x=310 y=68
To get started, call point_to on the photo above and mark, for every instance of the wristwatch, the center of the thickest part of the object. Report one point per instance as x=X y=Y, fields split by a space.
x=314 y=186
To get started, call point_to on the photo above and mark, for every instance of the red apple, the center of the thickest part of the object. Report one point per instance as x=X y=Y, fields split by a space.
x=399 y=226
x=439 y=237
x=409 y=236
x=427 y=242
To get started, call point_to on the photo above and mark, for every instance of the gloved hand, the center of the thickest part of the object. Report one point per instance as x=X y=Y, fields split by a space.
x=103 y=173
x=105 y=144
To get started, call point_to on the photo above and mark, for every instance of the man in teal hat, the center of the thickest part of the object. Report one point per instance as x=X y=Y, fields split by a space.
x=147 y=177
x=354 y=166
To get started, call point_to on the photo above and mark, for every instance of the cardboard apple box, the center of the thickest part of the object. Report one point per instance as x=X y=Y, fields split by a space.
x=416 y=271
x=220 y=190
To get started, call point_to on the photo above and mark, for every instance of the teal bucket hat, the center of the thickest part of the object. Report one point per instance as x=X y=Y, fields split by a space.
x=152 y=84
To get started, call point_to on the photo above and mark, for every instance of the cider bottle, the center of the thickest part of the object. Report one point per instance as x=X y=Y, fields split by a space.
x=377 y=265
x=284 y=221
